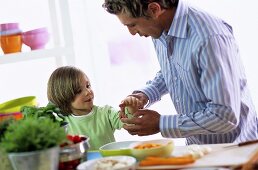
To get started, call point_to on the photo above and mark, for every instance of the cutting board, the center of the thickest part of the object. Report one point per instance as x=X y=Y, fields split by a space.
x=218 y=157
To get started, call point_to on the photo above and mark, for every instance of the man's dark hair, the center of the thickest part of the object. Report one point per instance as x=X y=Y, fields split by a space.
x=135 y=8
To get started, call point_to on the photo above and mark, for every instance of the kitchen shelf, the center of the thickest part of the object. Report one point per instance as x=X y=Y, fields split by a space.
x=62 y=52
x=56 y=53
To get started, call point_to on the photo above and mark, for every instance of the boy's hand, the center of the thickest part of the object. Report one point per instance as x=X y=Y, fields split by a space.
x=132 y=103
x=142 y=97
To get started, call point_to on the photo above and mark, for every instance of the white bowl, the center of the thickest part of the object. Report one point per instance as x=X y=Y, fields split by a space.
x=164 y=150
x=128 y=160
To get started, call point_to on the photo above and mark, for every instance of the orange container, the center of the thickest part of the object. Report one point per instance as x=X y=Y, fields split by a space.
x=11 y=43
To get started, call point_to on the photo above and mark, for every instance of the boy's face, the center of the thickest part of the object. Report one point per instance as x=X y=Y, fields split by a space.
x=83 y=101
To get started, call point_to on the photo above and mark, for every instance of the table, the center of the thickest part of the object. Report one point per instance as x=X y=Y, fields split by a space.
x=220 y=158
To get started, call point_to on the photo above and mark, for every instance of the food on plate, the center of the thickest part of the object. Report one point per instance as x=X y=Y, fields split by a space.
x=198 y=151
x=182 y=160
x=109 y=164
x=147 y=146
x=192 y=153
x=160 y=147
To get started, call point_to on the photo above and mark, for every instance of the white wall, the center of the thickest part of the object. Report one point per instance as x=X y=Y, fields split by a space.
x=94 y=29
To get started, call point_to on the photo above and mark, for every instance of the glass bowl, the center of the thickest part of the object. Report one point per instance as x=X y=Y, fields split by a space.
x=71 y=155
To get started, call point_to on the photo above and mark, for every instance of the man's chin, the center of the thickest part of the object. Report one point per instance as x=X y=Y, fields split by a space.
x=155 y=36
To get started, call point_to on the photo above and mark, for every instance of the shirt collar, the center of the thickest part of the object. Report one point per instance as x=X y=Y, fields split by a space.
x=86 y=115
x=178 y=27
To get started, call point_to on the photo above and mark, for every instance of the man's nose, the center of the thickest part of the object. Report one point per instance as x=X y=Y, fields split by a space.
x=132 y=31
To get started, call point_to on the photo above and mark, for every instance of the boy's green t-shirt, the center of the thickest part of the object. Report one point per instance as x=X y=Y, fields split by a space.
x=99 y=125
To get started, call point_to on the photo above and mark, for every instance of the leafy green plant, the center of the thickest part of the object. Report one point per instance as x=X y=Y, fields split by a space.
x=5 y=164
x=32 y=134
x=50 y=111
x=3 y=126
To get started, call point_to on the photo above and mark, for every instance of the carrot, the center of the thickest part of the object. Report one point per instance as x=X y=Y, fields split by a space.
x=183 y=160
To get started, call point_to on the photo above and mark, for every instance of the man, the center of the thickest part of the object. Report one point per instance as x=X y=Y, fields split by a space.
x=200 y=69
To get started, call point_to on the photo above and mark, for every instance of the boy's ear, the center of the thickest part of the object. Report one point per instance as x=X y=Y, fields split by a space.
x=154 y=9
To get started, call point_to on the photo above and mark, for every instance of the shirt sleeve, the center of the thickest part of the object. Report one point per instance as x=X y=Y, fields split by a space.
x=114 y=119
x=155 y=89
x=220 y=76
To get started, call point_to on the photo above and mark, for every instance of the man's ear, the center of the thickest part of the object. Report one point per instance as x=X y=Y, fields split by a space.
x=154 y=9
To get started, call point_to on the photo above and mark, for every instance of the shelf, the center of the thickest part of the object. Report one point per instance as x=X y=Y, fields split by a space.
x=61 y=29
x=34 y=55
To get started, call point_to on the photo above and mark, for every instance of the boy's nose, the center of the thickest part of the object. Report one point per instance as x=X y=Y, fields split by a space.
x=87 y=91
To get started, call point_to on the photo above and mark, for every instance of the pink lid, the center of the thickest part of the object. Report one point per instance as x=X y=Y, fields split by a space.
x=9 y=26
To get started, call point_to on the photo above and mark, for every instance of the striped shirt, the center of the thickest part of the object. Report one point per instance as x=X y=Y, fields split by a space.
x=202 y=71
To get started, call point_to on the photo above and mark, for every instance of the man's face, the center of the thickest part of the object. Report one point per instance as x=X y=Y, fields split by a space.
x=142 y=26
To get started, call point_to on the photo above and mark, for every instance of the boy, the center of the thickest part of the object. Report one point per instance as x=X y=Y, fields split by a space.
x=69 y=89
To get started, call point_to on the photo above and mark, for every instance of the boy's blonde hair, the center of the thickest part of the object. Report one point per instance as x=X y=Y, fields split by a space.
x=63 y=85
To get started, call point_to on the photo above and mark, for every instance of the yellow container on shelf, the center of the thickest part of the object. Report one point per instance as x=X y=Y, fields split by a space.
x=15 y=105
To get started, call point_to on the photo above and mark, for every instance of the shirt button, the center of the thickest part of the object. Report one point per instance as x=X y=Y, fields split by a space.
x=177 y=100
x=175 y=78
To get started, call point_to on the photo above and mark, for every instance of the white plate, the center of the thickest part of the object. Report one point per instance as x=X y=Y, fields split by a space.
x=89 y=165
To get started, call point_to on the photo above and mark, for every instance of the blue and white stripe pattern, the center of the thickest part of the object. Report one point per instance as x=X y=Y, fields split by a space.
x=201 y=70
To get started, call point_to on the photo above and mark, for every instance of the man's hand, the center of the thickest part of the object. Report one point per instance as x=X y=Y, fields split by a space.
x=145 y=122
